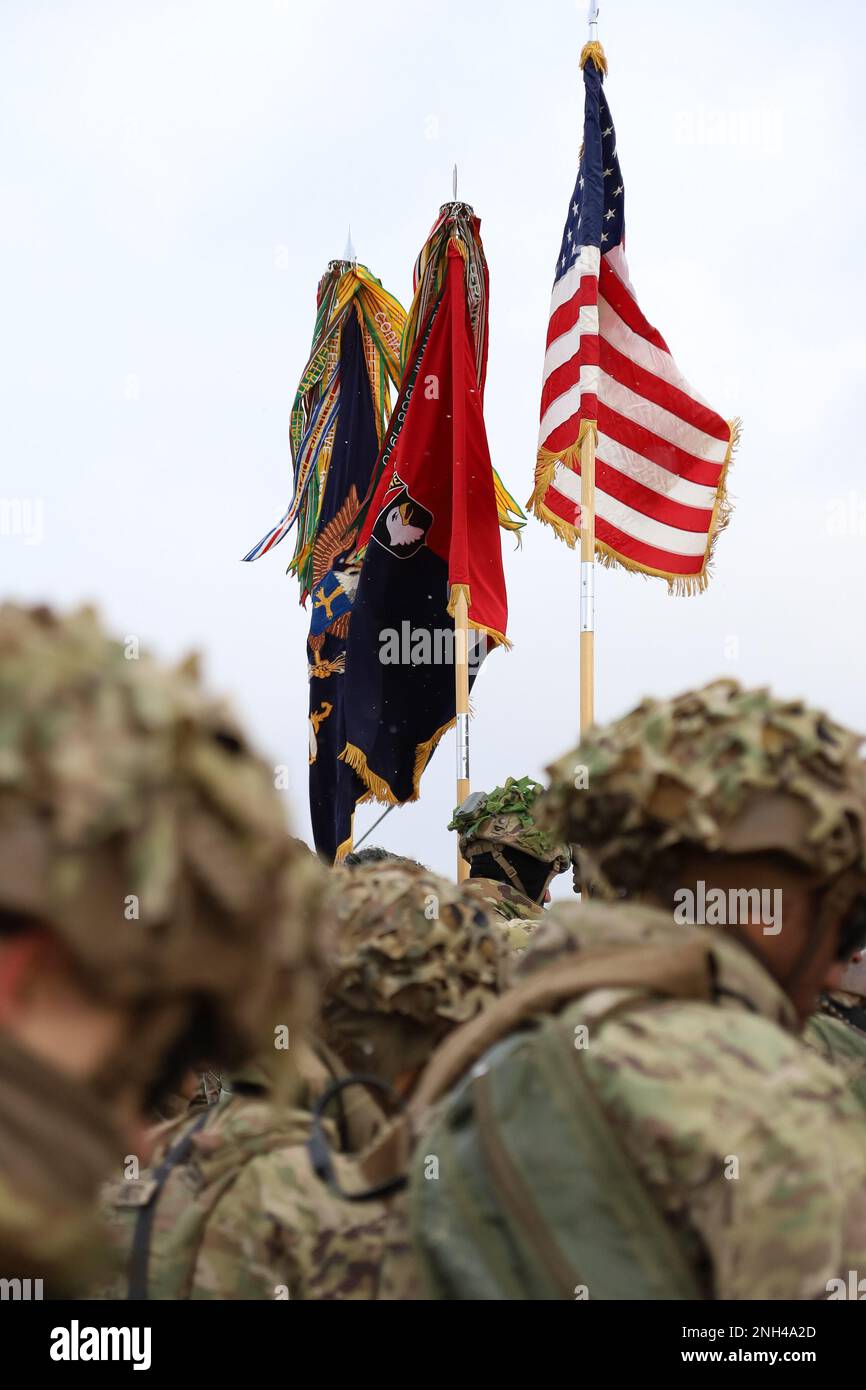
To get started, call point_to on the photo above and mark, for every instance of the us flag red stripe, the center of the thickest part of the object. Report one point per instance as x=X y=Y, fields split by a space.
x=662 y=451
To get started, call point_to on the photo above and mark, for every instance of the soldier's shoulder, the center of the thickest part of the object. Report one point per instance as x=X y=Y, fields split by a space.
x=292 y=1234
x=503 y=899
x=507 y=909
x=720 y=1072
x=568 y=928
x=205 y=1158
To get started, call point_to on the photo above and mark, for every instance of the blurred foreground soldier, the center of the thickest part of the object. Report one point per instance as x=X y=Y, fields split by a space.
x=838 y=1030
x=637 y=1117
x=241 y=1211
x=511 y=859
x=145 y=902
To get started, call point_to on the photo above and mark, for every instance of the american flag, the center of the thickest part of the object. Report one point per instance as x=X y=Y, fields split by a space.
x=662 y=452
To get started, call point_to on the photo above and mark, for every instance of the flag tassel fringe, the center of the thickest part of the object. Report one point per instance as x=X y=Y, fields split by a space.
x=594 y=51
x=377 y=788
x=679 y=586
x=493 y=633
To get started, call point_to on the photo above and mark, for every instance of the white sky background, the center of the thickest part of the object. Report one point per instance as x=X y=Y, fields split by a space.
x=174 y=179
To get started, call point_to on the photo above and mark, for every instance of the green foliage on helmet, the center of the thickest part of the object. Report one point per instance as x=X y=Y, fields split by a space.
x=504 y=817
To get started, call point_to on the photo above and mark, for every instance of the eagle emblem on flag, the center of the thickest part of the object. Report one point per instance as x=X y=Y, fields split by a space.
x=402 y=525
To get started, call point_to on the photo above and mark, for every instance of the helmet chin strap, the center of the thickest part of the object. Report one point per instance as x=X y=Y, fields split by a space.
x=508 y=869
x=514 y=876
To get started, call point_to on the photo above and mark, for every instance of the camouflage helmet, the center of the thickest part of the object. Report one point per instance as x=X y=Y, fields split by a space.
x=137 y=826
x=721 y=769
x=414 y=958
x=490 y=822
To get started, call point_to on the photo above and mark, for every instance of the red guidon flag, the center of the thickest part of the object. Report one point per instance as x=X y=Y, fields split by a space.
x=662 y=453
x=430 y=529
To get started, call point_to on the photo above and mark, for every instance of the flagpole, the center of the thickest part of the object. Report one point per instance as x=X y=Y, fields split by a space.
x=587 y=575
x=593 y=21
x=461 y=668
x=461 y=596
x=588 y=436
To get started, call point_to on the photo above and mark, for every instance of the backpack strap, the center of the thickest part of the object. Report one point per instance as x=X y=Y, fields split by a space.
x=495 y=1230
x=681 y=971
x=140 y=1254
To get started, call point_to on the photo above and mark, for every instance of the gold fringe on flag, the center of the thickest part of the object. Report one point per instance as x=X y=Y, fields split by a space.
x=456 y=591
x=423 y=753
x=346 y=847
x=498 y=637
x=377 y=788
x=679 y=585
x=596 y=53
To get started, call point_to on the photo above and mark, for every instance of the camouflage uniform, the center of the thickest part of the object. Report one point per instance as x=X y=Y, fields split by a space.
x=725 y=1115
x=492 y=823
x=750 y=1147
x=243 y=1215
x=837 y=1031
x=137 y=829
x=516 y=914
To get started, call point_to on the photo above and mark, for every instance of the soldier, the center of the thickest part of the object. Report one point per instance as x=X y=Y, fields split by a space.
x=838 y=1030
x=511 y=860
x=374 y=854
x=638 y=1117
x=237 y=1210
x=414 y=960
x=231 y=1207
x=146 y=896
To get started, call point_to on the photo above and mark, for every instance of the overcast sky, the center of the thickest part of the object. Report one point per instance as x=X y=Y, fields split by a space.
x=174 y=178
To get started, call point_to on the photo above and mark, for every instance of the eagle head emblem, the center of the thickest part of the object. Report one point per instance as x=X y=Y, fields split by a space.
x=402 y=525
